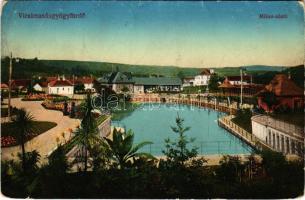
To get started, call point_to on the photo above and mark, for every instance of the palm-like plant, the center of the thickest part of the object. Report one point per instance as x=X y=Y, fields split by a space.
x=87 y=134
x=24 y=122
x=123 y=149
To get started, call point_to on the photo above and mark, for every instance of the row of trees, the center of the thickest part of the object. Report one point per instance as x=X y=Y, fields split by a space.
x=114 y=168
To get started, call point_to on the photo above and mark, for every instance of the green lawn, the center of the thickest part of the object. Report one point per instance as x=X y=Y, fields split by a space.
x=245 y=124
x=243 y=119
x=9 y=129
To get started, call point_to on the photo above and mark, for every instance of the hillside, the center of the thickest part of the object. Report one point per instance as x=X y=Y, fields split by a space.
x=27 y=68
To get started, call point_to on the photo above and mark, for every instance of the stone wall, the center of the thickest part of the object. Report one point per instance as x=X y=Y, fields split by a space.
x=105 y=127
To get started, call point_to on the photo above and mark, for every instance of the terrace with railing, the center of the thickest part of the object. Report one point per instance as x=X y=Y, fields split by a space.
x=284 y=126
x=226 y=122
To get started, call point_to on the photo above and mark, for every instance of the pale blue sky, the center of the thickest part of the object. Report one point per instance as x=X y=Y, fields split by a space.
x=189 y=34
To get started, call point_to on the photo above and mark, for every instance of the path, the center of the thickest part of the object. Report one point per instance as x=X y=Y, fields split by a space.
x=47 y=141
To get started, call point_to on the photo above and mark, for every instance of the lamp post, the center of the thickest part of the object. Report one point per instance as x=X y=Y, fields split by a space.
x=241 y=87
x=10 y=86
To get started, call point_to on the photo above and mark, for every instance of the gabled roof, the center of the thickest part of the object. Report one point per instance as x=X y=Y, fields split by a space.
x=226 y=84
x=123 y=78
x=42 y=84
x=119 y=77
x=21 y=83
x=86 y=80
x=61 y=82
x=157 y=81
x=81 y=80
x=281 y=85
x=116 y=78
x=51 y=78
x=4 y=86
x=205 y=72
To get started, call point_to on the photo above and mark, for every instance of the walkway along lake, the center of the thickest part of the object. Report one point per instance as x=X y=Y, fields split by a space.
x=152 y=122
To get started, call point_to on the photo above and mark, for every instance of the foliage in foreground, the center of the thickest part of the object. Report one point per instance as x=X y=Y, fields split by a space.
x=274 y=177
x=121 y=172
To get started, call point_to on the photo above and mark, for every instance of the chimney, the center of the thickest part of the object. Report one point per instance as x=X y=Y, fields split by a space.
x=63 y=77
x=289 y=75
x=58 y=78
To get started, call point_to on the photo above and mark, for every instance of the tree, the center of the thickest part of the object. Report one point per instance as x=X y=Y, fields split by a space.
x=51 y=177
x=25 y=123
x=177 y=151
x=87 y=134
x=231 y=169
x=79 y=87
x=123 y=149
x=213 y=83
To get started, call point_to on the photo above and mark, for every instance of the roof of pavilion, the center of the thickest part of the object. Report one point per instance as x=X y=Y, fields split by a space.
x=281 y=85
x=116 y=78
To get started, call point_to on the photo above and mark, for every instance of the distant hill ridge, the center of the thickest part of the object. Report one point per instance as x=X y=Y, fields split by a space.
x=150 y=69
x=29 y=67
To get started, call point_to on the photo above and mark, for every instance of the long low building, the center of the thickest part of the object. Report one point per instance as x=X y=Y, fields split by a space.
x=281 y=136
x=120 y=82
x=144 y=84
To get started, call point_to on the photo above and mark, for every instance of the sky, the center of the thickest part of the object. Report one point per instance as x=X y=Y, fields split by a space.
x=188 y=34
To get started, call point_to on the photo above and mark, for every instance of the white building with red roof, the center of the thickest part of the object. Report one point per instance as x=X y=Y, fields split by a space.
x=87 y=81
x=61 y=86
x=203 y=78
x=4 y=87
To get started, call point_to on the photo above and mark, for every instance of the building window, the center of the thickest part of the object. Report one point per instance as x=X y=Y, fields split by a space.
x=63 y=88
x=57 y=90
x=273 y=140
x=269 y=137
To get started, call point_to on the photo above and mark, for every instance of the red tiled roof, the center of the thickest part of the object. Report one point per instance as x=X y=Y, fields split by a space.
x=226 y=84
x=21 y=82
x=281 y=85
x=4 y=86
x=205 y=72
x=51 y=78
x=237 y=78
x=85 y=80
x=60 y=83
x=43 y=84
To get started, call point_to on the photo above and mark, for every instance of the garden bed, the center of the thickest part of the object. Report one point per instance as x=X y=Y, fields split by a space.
x=8 y=131
x=53 y=106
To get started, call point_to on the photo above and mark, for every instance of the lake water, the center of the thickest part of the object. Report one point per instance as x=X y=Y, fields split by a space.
x=152 y=122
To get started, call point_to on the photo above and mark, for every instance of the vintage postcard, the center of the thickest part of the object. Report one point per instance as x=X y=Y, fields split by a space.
x=152 y=99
